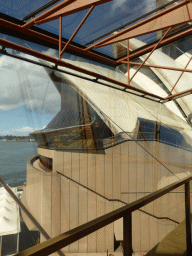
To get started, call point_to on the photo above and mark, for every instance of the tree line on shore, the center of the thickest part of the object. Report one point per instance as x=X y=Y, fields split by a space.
x=16 y=138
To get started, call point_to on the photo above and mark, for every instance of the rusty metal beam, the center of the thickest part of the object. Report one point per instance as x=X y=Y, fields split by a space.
x=76 y=31
x=148 y=48
x=73 y=67
x=151 y=53
x=180 y=76
x=161 y=67
x=170 y=17
x=41 y=9
x=178 y=95
x=78 y=5
x=47 y=13
x=60 y=36
x=52 y=40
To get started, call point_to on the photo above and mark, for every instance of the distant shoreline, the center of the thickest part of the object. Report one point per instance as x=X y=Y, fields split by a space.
x=19 y=140
x=16 y=138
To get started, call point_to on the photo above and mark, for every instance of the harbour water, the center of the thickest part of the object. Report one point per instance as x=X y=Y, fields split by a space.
x=13 y=160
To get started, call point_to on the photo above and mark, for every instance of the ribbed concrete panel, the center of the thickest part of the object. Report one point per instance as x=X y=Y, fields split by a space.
x=101 y=234
x=136 y=231
x=108 y=173
x=124 y=171
x=56 y=204
x=92 y=171
x=116 y=171
x=75 y=167
x=83 y=217
x=65 y=207
x=46 y=203
x=140 y=167
x=148 y=179
x=67 y=164
x=145 y=232
x=37 y=194
x=74 y=213
x=92 y=214
x=109 y=229
x=58 y=161
x=100 y=175
x=83 y=168
x=132 y=171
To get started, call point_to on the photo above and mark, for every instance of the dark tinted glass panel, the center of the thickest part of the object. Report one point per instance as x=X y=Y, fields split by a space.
x=46 y=163
x=146 y=129
x=153 y=130
x=9 y=244
x=77 y=125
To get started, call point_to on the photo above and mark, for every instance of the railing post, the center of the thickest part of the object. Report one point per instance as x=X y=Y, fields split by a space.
x=127 y=235
x=188 y=217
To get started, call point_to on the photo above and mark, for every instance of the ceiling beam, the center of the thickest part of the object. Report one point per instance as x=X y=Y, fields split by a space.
x=62 y=63
x=73 y=48
x=176 y=15
x=67 y=7
x=147 y=48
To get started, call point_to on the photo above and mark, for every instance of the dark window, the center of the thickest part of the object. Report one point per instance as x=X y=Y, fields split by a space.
x=76 y=126
x=9 y=244
x=153 y=130
x=46 y=163
x=146 y=129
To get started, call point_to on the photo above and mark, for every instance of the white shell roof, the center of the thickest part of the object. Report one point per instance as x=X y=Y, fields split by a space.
x=120 y=108
x=9 y=214
x=169 y=77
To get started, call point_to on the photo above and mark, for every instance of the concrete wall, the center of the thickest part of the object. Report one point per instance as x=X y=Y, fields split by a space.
x=62 y=200
x=128 y=172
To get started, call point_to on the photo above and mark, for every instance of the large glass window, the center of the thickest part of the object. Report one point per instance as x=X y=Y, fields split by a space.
x=153 y=130
x=77 y=125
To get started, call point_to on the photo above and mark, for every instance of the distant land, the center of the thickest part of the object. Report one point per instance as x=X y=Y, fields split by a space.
x=16 y=138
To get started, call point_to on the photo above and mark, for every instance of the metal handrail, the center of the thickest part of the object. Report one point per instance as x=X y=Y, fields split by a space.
x=75 y=234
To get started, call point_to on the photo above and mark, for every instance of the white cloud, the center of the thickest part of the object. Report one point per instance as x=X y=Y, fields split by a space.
x=23 y=83
x=117 y=4
x=26 y=129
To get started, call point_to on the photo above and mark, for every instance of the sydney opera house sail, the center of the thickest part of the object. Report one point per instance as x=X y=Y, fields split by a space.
x=118 y=112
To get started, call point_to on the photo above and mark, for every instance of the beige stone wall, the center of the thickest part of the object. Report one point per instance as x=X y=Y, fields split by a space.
x=126 y=172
